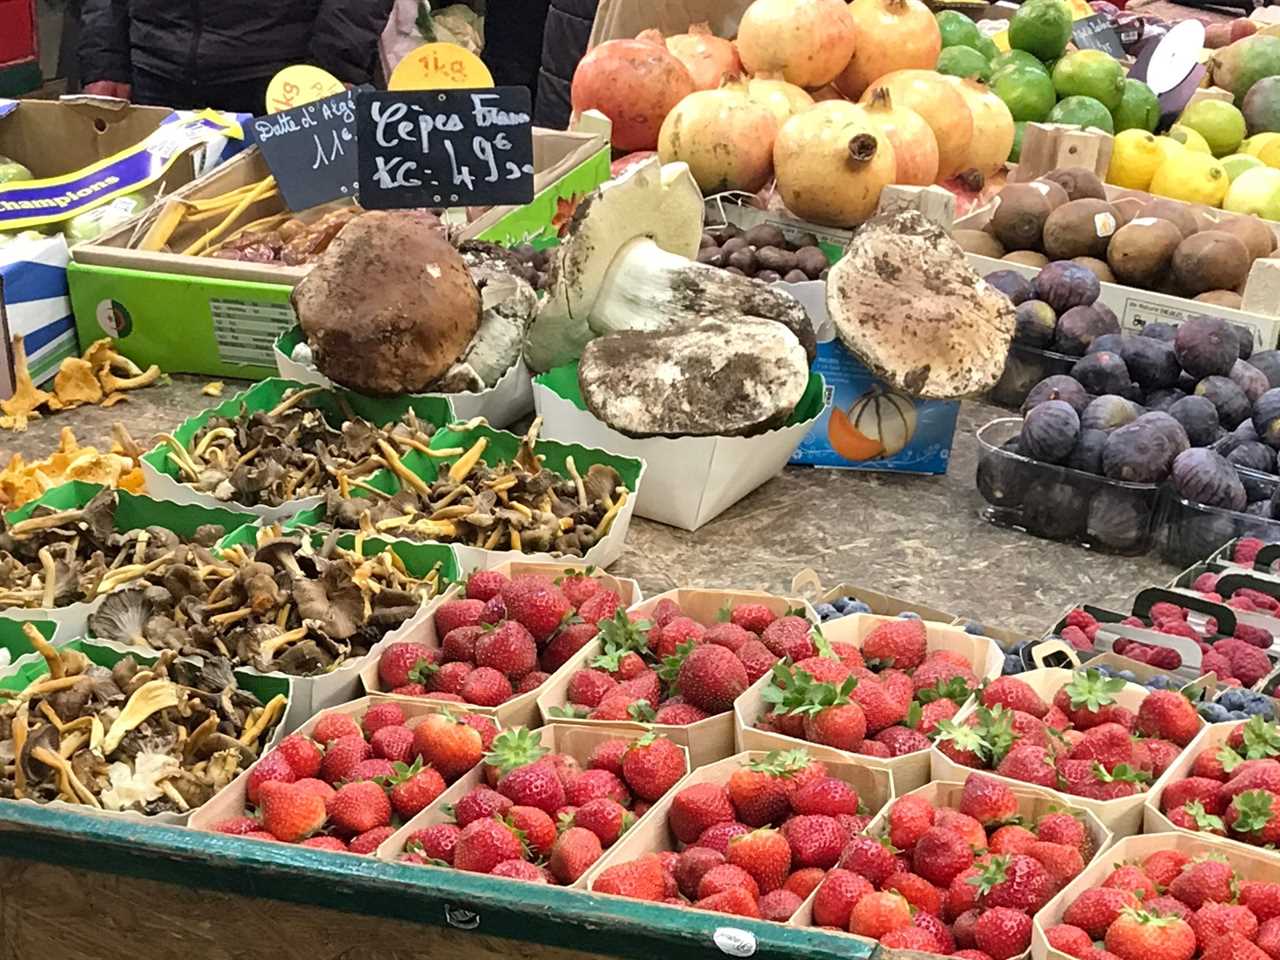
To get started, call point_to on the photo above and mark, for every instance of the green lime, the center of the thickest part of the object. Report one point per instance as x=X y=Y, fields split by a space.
x=1139 y=109
x=1090 y=73
x=1011 y=57
x=1026 y=90
x=986 y=46
x=957 y=30
x=1238 y=163
x=1082 y=112
x=963 y=62
x=1041 y=28
x=1221 y=125
x=1019 y=128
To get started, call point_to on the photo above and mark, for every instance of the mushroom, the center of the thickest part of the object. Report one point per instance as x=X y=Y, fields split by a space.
x=113 y=384
x=123 y=617
x=27 y=398
x=75 y=384
x=146 y=700
x=904 y=301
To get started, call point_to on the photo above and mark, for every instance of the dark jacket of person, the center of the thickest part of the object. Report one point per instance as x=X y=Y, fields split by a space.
x=564 y=43
x=226 y=41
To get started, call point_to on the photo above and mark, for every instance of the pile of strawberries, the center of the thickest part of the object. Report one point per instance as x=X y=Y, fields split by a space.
x=883 y=700
x=1083 y=742
x=964 y=882
x=1172 y=906
x=504 y=638
x=1233 y=789
x=539 y=816
x=668 y=668
x=755 y=846
x=350 y=783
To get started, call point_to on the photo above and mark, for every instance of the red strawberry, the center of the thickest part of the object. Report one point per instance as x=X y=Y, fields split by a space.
x=1061 y=828
x=578 y=587
x=870 y=858
x=1169 y=715
x=897 y=643
x=535 y=826
x=920 y=893
x=718 y=835
x=1262 y=897
x=567 y=641
x=318 y=787
x=698 y=807
x=457 y=613
x=692 y=864
x=910 y=818
x=372 y=769
x=451 y=746
x=679 y=714
x=825 y=795
x=509 y=649
x=435 y=843
x=1268 y=939
x=520 y=870
x=1193 y=790
x=359 y=807
x=778 y=905
x=415 y=790
x=1255 y=815
x=591 y=784
x=342 y=758
x=483 y=585
x=1003 y=932
x=573 y=853
x=1163 y=866
x=450 y=677
x=483 y=844
x=399 y=663
x=665 y=640
x=790 y=637
x=764 y=854
x=816 y=841
x=641 y=879
x=1215 y=920
x=1030 y=764
x=1014 y=694
x=290 y=813
x=877 y=914
x=534 y=785
x=879 y=707
x=378 y=716
x=804 y=881
x=756 y=658
x=652 y=766
x=842 y=726
x=1133 y=878
x=711 y=678
x=760 y=790
x=987 y=800
x=604 y=817
x=608 y=755
x=331 y=726
x=536 y=603
x=486 y=687
x=589 y=687
x=1014 y=881
x=940 y=931
x=302 y=754
x=1063 y=862
x=273 y=768
x=1012 y=839
x=836 y=897
x=910 y=938
x=903 y=740
x=736 y=902
x=324 y=843
x=368 y=842
x=1138 y=935
x=1232 y=947
x=1068 y=939
x=237 y=826
x=755 y=617
x=1093 y=911
x=1108 y=744
x=940 y=854
x=601 y=605
x=1204 y=881
x=392 y=743
x=728 y=635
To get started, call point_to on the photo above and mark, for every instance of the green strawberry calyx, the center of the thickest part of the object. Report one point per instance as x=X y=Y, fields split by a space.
x=569 y=712
x=621 y=635
x=1203 y=818
x=964 y=737
x=822 y=644
x=955 y=690
x=1261 y=739
x=1121 y=773
x=642 y=712
x=669 y=669
x=514 y=748
x=1228 y=758
x=795 y=692
x=994 y=872
x=995 y=725
x=1091 y=690
x=781 y=763
x=1134 y=915
x=1254 y=811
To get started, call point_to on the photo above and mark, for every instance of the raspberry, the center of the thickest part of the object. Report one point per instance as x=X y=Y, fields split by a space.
x=1205 y=583
x=1081 y=619
x=1254 y=636
x=1167 y=611
x=1246 y=551
x=1077 y=638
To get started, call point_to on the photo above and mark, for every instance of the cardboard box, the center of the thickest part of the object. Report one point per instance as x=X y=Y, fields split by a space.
x=651 y=834
x=521 y=710
x=624 y=19
x=908 y=771
x=707 y=740
x=1122 y=816
x=1033 y=803
x=232 y=312
x=577 y=743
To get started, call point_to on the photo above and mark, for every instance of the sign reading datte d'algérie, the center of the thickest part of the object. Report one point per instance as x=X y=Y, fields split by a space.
x=311 y=150
x=444 y=148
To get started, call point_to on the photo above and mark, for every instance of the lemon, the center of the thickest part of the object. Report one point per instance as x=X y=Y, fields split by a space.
x=1264 y=146
x=1169 y=147
x=1238 y=163
x=1191 y=176
x=1189 y=138
x=1257 y=192
x=1134 y=159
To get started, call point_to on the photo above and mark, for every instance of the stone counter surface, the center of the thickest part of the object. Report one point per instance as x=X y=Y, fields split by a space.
x=918 y=537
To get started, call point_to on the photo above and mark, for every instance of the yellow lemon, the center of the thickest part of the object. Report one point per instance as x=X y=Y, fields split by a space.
x=1189 y=138
x=1169 y=147
x=1193 y=177
x=1264 y=146
x=1134 y=159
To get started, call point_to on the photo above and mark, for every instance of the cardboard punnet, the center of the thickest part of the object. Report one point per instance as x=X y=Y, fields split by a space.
x=707 y=740
x=1249 y=864
x=690 y=480
x=807 y=584
x=1033 y=803
x=232 y=800
x=577 y=743
x=28 y=666
x=651 y=835
x=908 y=771
x=1122 y=816
x=522 y=708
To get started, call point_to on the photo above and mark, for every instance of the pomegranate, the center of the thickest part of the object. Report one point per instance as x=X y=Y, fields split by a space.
x=993 y=123
x=808 y=41
x=710 y=60
x=784 y=99
x=943 y=108
x=915 y=148
x=634 y=83
x=725 y=137
x=892 y=35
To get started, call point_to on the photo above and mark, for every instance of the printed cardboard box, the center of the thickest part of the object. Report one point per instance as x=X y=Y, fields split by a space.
x=521 y=709
x=1122 y=816
x=1033 y=803
x=707 y=740
x=576 y=742
x=908 y=771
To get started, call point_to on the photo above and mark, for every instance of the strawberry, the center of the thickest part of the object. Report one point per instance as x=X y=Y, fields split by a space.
x=736 y=902
x=393 y=743
x=756 y=659
x=1094 y=910
x=897 y=643
x=1269 y=938
x=790 y=637
x=1204 y=881
x=324 y=843
x=1030 y=764
x=531 y=681
x=601 y=605
x=290 y=813
x=368 y=842
x=531 y=784
x=457 y=613
x=591 y=784
x=1011 y=839
x=1193 y=789
x=940 y=854
x=343 y=756
x=836 y=897
x=1061 y=828
x=273 y=768
x=1108 y=744
x=728 y=635
x=718 y=835
x=236 y=826
x=988 y=801
x=764 y=854
x=1063 y=862
x=824 y=669
x=415 y=788
x=653 y=765
x=449 y=678
x=1168 y=715
x=1163 y=866
x=665 y=640
x=816 y=841
x=478 y=804
x=509 y=649
x=604 y=817
x=1232 y=947
x=1168 y=906
x=486 y=687
x=1016 y=881
x=778 y=905
x=318 y=787
x=536 y=603
x=1215 y=920
x=841 y=725
x=827 y=796
x=535 y=827
x=641 y=879
x=378 y=716
x=1133 y=878
x=1255 y=814
x=870 y=858
x=483 y=585
x=578 y=587
x=608 y=754
x=760 y=790
x=1086 y=699
x=962 y=744
x=934 y=925
x=903 y=740
x=754 y=617
x=1014 y=694
x=451 y=746
x=804 y=881
x=302 y=754
x=1261 y=774
x=1003 y=932
x=372 y=769
x=589 y=687
x=573 y=853
x=697 y=807
x=679 y=714
x=692 y=864
x=398 y=664
x=920 y=893
x=1138 y=935
x=459 y=644
x=520 y=870
x=910 y=818
x=435 y=843
x=707 y=676
x=483 y=844
x=567 y=641
x=964 y=927
x=643 y=686
x=1262 y=897
x=359 y=807
x=1068 y=939
x=876 y=914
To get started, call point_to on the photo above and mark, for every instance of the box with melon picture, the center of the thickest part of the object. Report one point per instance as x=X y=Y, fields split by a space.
x=201 y=314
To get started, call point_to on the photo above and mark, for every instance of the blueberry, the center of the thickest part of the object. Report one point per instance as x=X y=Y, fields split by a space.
x=1233 y=699
x=1105 y=670
x=1012 y=664
x=1255 y=709
x=1128 y=676
x=908 y=615
x=1214 y=712
x=826 y=611
x=1237 y=715
x=1158 y=682
x=857 y=606
x=976 y=629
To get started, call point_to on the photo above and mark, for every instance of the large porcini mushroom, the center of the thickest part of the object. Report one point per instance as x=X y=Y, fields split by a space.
x=626 y=264
x=390 y=305
x=904 y=300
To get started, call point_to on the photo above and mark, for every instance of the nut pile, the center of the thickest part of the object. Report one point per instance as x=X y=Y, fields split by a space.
x=765 y=253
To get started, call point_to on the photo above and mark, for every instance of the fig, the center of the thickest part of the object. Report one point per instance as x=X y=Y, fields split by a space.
x=1142 y=451
x=1034 y=323
x=1011 y=283
x=1250 y=379
x=1108 y=341
x=1152 y=363
x=1057 y=387
x=1119 y=520
x=1079 y=327
x=1049 y=431
x=1246 y=340
x=1054 y=509
x=1266 y=418
x=1202 y=476
x=1002 y=480
x=1229 y=400
x=1268 y=361
x=1086 y=455
x=1063 y=285
x=1108 y=412
x=1199 y=419
x=1159 y=331
x=1163 y=399
x=1253 y=456
x=1206 y=347
x=1102 y=372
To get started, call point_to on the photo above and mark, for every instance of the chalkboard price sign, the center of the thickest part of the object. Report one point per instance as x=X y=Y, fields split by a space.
x=1096 y=33
x=444 y=148
x=311 y=150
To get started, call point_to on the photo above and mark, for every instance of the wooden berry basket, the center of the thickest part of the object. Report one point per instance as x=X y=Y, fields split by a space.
x=909 y=771
x=807 y=584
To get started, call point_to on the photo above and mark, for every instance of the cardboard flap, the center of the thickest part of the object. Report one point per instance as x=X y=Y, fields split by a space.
x=1042 y=653
x=806 y=584
x=617 y=19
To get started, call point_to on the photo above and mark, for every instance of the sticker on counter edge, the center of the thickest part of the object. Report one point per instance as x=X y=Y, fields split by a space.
x=734 y=941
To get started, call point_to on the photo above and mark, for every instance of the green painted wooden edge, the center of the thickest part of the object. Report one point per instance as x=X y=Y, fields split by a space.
x=433 y=896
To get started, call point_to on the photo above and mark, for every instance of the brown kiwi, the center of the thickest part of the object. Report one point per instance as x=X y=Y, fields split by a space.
x=1080 y=228
x=1053 y=192
x=1099 y=268
x=1142 y=250
x=1255 y=234
x=1028 y=258
x=1222 y=298
x=1018 y=220
x=1079 y=183
x=1211 y=260
x=1179 y=214
x=979 y=242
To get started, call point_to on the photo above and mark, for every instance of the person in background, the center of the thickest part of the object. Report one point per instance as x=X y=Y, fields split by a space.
x=191 y=54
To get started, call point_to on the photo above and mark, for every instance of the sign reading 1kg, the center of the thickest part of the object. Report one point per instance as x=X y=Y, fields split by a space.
x=444 y=148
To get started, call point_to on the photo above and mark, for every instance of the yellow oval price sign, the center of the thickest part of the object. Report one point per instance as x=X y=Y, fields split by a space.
x=440 y=66
x=299 y=84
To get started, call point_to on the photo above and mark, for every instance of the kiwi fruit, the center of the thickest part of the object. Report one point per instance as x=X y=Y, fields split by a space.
x=1053 y=192
x=1079 y=183
x=1256 y=235
x=979 y=242
x=1018 y=220
x=1100 y=268
x=1142 y=250
x=1029 y=258
x=1222 y=298
x=1211 y=260
x=1079 y=228
x=1179 y=214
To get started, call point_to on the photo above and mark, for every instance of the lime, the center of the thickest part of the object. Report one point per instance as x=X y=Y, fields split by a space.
x=1220 y=123
x=1191 y=176
x=1189 y=138
x=1082 y=112
x=963 y=62
x=1042 y=28
x=1135 y=157
x=987 y=47
x=1139 y=109
x=1019 y=128
x=1010 y=57
x=1237 y=163
x=1026 y=90
x=1090 y=73
x=1257 y=192
x=957 y=30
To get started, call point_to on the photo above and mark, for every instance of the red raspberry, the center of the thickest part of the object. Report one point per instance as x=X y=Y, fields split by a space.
x=1081 y=619
x=1254 y=636
x=1205 y=583
x=1077 y=638
x=1246 y=551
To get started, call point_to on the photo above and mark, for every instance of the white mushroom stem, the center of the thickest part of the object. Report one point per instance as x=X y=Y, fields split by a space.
x=271 y=647
x=577 y=482
x=35 y=524
x=50 y=571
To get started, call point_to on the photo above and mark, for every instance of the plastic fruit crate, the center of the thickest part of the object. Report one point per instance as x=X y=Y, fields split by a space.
x=1193 y=531
x=1025 y=367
